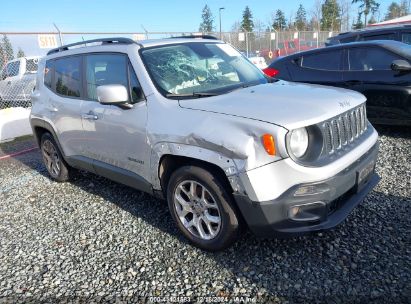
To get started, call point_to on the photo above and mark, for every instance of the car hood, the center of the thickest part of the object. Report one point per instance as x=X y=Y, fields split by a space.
x=288 y=104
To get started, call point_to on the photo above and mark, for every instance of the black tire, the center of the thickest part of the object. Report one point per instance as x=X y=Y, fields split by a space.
x=63 y=172
x=229 y=219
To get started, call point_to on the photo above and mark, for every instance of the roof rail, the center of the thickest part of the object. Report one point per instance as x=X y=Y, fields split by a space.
x=196 y=37
x=119 y=40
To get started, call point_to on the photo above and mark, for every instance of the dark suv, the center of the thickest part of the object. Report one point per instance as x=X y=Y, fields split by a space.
x=399 y=33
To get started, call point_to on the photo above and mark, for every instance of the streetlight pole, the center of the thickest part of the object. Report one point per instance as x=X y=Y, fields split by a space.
x=219 y=13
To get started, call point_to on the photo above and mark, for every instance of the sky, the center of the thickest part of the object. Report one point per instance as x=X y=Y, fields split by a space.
x=134 y=15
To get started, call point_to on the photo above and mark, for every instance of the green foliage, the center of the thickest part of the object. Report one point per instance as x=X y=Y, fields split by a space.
x=396 y=10
x=206 y=25
x=6 y=50
x=247 y=23
x=367 y=7
x=279 y=22
x=20 y=53
x=331 y=16
x=358 y=24
x=301 y=18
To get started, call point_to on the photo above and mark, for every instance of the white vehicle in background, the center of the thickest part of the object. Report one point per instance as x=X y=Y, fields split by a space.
x=259 y=62
x=17 y=81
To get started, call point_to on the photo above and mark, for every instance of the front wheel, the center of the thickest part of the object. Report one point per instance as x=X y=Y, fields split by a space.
x=202 y=208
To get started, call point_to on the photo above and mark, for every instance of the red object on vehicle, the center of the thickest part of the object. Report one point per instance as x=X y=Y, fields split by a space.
x=271 y=72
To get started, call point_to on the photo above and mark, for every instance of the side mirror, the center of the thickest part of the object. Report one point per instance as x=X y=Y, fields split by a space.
x=112 y=94
x=401 y=65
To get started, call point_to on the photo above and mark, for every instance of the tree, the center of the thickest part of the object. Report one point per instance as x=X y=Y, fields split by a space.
x=8 y=53
x=396 y=10
x=279 y=22
x=207 y=18
x=301 y=18
x=20 y=53
x=367 y=7
x=247 y=23
x=372 y=20
x=331 y=16
x=358 y=24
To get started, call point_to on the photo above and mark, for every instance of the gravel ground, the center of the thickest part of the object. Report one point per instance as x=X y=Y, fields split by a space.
x=93 y=240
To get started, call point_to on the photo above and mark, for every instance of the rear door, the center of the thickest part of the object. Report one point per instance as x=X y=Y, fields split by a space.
x=63 y=101
x=369 y=72
x=319 y=68
x=115 y=136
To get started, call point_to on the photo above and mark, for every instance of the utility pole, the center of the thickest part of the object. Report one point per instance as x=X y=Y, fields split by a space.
x=219 y=13
x=58 y=30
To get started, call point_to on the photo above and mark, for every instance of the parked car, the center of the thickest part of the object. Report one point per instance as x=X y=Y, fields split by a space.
x=400 y=33
x=258 y=61
x=269 y=155
x=17 y=81
x=380 y=70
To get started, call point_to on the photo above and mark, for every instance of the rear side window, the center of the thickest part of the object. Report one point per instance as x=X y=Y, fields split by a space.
x=406 y=38
x=328 y=61
x=48 y=73
x=385 y=36
x=370 y=59
x=68 y=76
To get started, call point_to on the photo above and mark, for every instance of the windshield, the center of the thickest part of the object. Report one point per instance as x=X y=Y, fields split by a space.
x=196 y=67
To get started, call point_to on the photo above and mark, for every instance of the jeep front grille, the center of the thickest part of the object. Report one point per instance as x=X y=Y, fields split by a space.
x=343 y=129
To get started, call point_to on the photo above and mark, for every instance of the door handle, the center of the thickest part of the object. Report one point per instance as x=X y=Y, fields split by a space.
x=89 y=116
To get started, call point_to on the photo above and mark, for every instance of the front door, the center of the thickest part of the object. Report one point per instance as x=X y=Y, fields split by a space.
x=387 y=91
x=114 y=136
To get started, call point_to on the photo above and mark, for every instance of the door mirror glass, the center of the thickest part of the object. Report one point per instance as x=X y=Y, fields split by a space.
x=114 y=94
x=401 y=65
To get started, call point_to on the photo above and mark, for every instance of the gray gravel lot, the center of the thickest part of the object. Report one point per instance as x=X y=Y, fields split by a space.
x=95 y=240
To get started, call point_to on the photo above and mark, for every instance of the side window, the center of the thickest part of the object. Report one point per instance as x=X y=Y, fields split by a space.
x=136 y=90
x=68 y=76
x=385 y=36
x=406 y=38
x=104 y=69
x=370 y=59
x=48 y=73
x=328 y=61
x=13 y=68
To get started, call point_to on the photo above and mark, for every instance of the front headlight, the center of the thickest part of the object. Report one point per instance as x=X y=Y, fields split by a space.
x=299 y=142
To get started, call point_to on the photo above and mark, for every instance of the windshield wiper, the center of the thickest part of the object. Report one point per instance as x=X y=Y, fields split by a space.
x=194 y=94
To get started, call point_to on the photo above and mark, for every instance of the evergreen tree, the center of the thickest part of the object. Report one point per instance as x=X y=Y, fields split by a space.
x=279 y=22
x=20 y=53
x=8 y=53
x=331 y=16
x=367 y=7
x=405 y=9
x=247 y=23
x=394 y=11
x=206 y=25
x=358 y=24
x=301 y=18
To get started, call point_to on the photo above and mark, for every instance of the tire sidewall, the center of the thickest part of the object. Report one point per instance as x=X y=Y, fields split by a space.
x=229 y=220
x=64 y=171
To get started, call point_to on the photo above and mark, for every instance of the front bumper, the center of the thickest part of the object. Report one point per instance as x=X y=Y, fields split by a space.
x=338 y=196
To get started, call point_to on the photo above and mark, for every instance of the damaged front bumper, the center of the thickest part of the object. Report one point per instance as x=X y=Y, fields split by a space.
x=315 y=206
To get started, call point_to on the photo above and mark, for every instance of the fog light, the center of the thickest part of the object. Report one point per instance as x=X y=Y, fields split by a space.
x=307 y=212
x=311 y=190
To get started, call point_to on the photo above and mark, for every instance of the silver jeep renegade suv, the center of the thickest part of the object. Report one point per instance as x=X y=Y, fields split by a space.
x=193 y=121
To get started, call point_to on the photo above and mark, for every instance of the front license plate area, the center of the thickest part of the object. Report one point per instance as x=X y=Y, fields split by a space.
x=364 y=174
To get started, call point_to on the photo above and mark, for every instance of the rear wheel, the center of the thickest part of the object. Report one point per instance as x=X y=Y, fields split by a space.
x=53 y=159
x=202 y=208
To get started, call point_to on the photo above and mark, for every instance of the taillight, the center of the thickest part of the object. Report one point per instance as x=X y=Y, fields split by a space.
x=271 y=72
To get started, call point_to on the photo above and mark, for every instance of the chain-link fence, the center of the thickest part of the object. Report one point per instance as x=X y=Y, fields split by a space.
x=20 y=52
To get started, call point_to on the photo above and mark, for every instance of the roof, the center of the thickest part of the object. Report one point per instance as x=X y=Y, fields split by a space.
x=397 y=21
x=375 y=28
x=120 y=41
